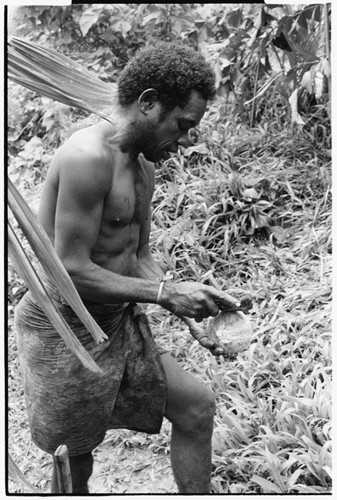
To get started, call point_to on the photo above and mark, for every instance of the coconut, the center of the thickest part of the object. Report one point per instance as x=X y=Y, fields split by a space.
x=232 y=330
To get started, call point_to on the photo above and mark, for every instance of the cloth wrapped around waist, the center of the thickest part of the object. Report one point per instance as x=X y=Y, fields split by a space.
x=67 y=403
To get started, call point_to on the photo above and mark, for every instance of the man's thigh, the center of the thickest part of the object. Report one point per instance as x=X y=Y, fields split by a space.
x=185 y=393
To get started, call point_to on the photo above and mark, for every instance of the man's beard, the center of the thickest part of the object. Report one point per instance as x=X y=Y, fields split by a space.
x=148 y=141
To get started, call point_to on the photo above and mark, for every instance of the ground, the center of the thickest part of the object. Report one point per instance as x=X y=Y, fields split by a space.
x=124 y=470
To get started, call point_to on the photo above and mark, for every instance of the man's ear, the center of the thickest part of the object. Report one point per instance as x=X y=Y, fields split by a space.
x=147 y=99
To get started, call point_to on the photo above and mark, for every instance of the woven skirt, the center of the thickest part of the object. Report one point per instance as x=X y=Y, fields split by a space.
x=66 y=402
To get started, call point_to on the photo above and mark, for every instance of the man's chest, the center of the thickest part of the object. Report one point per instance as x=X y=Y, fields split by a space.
x=129 y=197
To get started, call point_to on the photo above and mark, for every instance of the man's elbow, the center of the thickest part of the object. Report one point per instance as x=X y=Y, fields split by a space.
x=74 y=268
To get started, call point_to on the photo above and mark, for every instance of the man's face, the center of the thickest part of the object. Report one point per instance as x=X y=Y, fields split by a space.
x=165 y=132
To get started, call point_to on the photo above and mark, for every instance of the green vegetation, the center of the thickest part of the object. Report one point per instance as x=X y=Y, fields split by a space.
x=246 y=207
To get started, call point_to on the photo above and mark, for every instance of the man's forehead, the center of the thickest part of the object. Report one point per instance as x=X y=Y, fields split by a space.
x=195 y=108
x=196 y=99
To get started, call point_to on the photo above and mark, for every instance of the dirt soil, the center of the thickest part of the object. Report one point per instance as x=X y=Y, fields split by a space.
x=131 y=470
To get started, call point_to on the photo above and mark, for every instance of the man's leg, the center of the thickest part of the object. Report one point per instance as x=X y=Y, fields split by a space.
x=190 y=409
x=81 y=470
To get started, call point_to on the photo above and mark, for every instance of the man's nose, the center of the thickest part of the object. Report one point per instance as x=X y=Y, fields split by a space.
x=183 y=140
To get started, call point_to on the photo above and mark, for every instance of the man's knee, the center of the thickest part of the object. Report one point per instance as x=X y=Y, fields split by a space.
x=199 y=413
x=205 y=408
x=190 y=404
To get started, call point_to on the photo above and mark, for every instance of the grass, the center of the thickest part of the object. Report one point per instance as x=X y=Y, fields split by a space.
x=273 y=426
x=249 y=210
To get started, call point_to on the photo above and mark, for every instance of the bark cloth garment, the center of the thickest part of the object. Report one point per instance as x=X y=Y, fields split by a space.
x=67 y=403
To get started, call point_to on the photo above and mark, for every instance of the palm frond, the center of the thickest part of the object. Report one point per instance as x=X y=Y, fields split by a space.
x=49 y=259
x=16 y=475
x=27 y=271
x=56 y=76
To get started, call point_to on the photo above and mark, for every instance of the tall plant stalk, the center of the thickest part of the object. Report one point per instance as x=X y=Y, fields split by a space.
x=49 y=259
x=26 y=270
x=327 y=43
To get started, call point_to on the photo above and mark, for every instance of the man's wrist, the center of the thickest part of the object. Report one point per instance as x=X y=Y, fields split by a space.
x=167 y=277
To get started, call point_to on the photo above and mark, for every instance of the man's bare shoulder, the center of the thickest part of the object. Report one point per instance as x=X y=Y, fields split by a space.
x=84 y=163
x=86 y=143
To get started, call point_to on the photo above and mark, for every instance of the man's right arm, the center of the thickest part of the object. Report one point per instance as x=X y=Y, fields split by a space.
x=83 y=185
x=84 y=182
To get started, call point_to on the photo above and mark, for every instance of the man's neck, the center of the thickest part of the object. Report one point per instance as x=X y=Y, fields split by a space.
x=121 y=134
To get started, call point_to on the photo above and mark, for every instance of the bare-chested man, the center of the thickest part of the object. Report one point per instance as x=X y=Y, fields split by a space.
x=95 y=207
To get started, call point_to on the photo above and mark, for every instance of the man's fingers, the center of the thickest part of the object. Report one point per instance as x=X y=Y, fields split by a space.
x=226 y=305
x=223 y=300
x=215 y=349
x=218 y=351
x=210 y=309
x=213 y=310
x=207 y=343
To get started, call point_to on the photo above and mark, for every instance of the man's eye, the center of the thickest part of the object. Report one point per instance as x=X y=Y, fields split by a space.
x=183 y=127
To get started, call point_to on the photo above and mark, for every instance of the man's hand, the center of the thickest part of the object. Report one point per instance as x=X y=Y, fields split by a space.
x=195 y=300
x=201 y=335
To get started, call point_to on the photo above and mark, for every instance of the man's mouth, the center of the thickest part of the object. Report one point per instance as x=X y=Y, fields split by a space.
x=166 y=155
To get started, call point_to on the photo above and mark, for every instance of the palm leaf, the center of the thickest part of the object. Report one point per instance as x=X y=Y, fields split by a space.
x=54 y=75
x=17 y=476
x=57 y=77
x=49 y=259
x=25 y=268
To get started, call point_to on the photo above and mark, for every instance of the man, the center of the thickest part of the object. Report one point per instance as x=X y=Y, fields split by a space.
x=95 y=207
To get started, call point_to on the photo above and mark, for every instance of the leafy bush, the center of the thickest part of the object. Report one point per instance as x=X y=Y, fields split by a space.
x=246 y=208
x=246 y=44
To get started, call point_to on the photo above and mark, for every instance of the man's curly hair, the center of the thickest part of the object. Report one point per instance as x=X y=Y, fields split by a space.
x=172 y=69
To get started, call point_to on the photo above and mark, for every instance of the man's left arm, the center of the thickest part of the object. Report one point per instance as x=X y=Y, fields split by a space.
x=148 y=268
